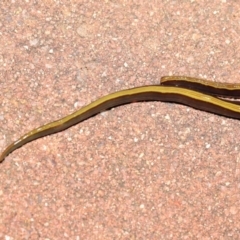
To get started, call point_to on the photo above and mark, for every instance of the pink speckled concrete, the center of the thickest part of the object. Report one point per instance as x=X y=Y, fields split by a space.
x=141 y=171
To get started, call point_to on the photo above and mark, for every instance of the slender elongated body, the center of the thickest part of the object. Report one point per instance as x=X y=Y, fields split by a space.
x=195 y=99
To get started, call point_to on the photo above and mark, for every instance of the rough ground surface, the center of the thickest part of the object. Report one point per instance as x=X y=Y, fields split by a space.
x=141 y=171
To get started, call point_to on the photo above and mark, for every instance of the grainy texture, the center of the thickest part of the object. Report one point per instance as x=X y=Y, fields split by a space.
x=142 y=171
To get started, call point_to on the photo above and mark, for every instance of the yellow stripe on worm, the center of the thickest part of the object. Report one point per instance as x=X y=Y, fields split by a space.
x=184 y=96
x=231 y=90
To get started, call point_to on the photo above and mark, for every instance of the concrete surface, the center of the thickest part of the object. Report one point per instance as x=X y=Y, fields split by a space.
x=141 y=171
